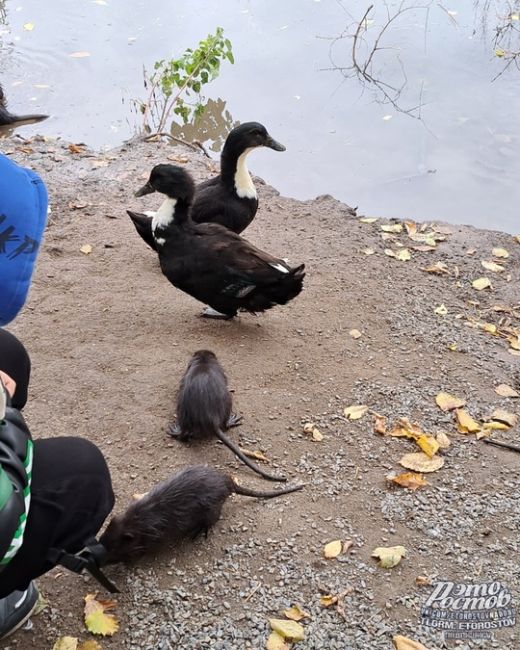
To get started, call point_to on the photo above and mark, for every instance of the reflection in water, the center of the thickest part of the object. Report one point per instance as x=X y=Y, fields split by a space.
x=374 y=50
x=211 y=127
x=3 y=13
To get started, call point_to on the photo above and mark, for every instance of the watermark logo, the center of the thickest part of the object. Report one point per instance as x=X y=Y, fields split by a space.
x=469 y=611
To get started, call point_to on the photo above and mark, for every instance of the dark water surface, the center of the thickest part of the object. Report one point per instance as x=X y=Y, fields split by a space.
x=459 y=163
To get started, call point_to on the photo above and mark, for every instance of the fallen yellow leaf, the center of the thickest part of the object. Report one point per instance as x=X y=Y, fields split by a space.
x=328 y=600
x=404 y=255
x=500 y=252
x=333 y=549
x=96 y=621
x=506 y=391
x=295 y=613
x=496 y=426
x=395 y=227
x=517 y=237
x=440 y=310
x=389 y=556
x=493 y=266
x=86 y=249
x=448 y=402
x=276 y=642
x=404 y=643
x=389 y=252
x=310 y=429
x=408 y=480
x=288 y=630
x=368 y=251
x=90 y=644
x=514 y=342
x=28 y=27
x=428 y=444
x=355 y=411
x=355 y=334
x=411 y=227
x=481 y=283
x=465 y=423
x=420 y=462
x=368 y=219
x=452 y=347
x=66 y=643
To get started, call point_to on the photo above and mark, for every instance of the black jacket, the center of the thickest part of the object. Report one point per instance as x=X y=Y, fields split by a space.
x=15 y=480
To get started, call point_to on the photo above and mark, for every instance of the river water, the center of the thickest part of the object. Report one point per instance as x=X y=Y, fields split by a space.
x=455 y=158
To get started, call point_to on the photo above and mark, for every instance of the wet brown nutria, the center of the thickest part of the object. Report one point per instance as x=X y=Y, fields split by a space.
x=184 y=506
x=204 y=407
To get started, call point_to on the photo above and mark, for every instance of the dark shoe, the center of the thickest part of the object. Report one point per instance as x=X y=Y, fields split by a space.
x=16 y=608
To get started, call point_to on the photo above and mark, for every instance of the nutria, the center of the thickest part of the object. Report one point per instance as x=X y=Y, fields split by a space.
x=183 y=506
x=204 y=407
x=7 y=118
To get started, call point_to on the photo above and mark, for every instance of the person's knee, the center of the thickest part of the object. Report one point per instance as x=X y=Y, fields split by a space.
x=15 y=361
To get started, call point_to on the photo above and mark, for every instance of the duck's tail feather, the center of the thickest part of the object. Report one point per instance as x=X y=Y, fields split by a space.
x=143 y=225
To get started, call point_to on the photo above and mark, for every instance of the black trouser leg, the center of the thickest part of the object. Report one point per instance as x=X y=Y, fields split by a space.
x=15 y=361
x=71 y=496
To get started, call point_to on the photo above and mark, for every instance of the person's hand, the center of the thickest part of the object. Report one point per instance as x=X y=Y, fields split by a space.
x=8 y=382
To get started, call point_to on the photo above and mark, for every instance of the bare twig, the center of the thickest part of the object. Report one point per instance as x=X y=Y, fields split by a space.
x=500 y=443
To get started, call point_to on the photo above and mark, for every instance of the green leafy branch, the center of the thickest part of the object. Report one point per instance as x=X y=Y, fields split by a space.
x=175 y=85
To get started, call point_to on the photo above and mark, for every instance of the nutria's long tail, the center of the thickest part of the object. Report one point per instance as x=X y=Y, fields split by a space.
x=238 y=452
x=248 y=492
x=8 y=119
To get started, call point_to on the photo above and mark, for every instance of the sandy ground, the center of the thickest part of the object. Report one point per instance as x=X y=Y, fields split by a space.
x=110 y=337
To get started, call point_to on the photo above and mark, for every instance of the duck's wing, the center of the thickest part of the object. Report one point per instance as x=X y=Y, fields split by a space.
x=216 y=203
x=240 y=264
x=143 y=225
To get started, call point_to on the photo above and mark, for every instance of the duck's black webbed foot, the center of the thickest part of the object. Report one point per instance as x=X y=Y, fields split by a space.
x=235 y=420
x=209 y=312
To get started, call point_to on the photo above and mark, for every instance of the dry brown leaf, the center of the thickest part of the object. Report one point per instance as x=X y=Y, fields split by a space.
x=423 y=581
x=443 y=440
x=355 y=411
x=310 y=429
x=500 y=252
x=333 y=549
x=288 y=630
x=439 y=268
x=408 y=480
x=448 y=402
x=90 y=644
x=420 y=462
x=380 y=424
x=506 y=391
x=295 y=613
x=255 y=455
x=355 y=334
x=424 y=248
x=404 y=643
x=411 y=227
x=481 y=283
x=500 y=415
x=465 y=423
x=389 y=556
x=76 y=148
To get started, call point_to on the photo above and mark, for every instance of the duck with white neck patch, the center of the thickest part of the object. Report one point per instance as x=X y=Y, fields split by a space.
x=230 y=198
x=210 y=262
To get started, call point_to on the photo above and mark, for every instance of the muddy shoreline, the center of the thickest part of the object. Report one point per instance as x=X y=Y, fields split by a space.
x=111 y=337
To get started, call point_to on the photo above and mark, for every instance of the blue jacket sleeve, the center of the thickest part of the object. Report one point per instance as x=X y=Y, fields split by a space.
x=23 y=214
